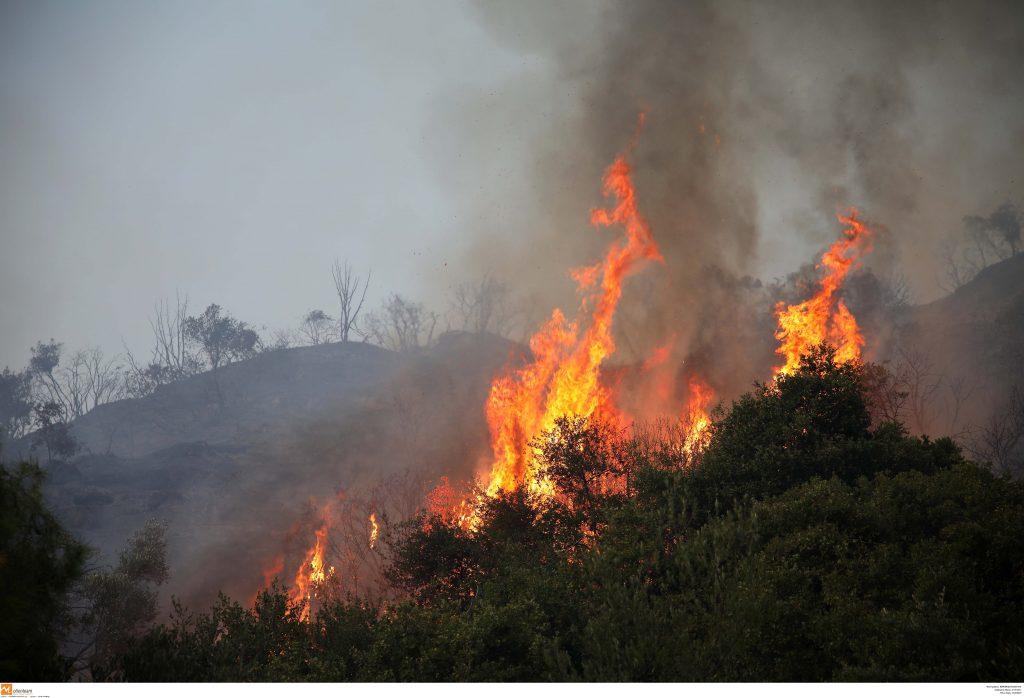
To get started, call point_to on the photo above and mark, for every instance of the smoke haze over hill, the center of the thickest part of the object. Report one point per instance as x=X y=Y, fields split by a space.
x=475 y=146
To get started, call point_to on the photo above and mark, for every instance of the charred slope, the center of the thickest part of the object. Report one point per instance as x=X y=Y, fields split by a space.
x=220 y=407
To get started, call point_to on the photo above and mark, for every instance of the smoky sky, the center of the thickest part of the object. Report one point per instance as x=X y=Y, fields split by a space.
x=227 y=150
x=764 y=119
x=230 y=151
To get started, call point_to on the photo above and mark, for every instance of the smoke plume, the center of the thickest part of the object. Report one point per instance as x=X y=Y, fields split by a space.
x=763 y=120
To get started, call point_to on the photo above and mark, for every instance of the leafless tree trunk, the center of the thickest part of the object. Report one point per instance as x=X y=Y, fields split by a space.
x=281 y=339
x=171 y=346
x=104 y=382
x=887 y=392
x=985 y=240
x=350 y=297
x=922 y=384
x=959 y=392
x=172 y=357
x=896 y=293
x=85 y=381
x=75 y=385
x=957 y=270
x=1001 y=441
x=401 y=325
x=482 y=306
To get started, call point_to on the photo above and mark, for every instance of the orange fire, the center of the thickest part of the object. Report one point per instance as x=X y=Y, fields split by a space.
x=564 y=377
x=697 y=421
x=824 y=317
x=450 y=505
x=374 y=530
x=312 y=573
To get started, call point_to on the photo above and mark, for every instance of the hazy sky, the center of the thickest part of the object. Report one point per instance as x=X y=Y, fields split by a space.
x=225 y=150
x=231 y=150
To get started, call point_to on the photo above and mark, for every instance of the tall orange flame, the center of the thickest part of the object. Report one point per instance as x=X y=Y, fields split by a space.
x=374 y=530
x=697 y=420
x=564 y=377
x=824 y=317
x=311 y=573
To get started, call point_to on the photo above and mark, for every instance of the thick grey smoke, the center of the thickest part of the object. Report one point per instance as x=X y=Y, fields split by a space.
x=763 y=120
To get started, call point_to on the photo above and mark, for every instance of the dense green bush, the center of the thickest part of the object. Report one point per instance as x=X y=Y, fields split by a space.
x=39 y=564
x=803 y=544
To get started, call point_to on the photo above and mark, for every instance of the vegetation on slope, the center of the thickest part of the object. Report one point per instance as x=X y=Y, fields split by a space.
x=804 y=544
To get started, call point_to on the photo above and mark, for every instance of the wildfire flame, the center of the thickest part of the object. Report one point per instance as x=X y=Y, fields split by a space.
x=824 y=317
x=451 y=506
x=374 y=530
x=564 y=377
x=314 y=572
x=697 y=421
x=311 y=572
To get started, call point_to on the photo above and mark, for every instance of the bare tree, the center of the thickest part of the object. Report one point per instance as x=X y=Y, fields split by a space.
x=350 y=297
x=280 y=339
x=172 y=346
x=996 y=236
x=958 y=393
x=141 y=380
x=93 y=380
x=482 y=306
x=886 y=391
x=104 y=378
x=985 y=240
x=922 y=384
x=400 y=325
x=956 y=270
x=317 y=327
x=897 y=295
x=74 y=383
x=85 y=381
x=1001 y=441
x=173 y=355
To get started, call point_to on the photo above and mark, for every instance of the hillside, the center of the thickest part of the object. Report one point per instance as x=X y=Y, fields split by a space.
x=974 y=342
x=231 y=464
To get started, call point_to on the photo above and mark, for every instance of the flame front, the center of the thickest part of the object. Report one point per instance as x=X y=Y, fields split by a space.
x=564 y=377
x=311 y=573
x=824 y=317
